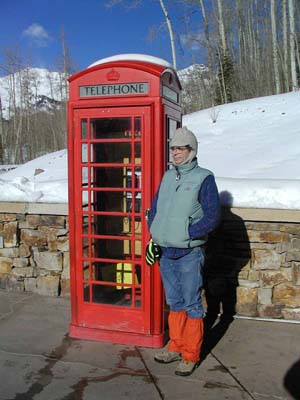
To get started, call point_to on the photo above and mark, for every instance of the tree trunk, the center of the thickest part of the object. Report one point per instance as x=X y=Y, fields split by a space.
x=274 y=47
x=285 y=46
x=292 y=45
x=171 y=33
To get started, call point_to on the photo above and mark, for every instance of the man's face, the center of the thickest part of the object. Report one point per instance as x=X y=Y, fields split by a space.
x=180 y=154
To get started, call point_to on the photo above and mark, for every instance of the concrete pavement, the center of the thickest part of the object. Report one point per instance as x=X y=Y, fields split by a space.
x=243 y=360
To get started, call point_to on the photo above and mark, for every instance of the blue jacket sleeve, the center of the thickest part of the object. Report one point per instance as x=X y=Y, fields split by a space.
x=209 y=200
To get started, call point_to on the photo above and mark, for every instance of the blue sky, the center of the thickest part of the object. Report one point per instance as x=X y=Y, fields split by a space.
x=92 y=31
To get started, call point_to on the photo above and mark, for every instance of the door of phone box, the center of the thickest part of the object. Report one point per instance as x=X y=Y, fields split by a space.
x=119 y=125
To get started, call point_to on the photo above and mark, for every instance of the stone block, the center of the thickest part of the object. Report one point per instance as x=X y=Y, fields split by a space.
x=287 y=294
x=66 y=266
x=20 y=217
x=6 y=265
x=253 y=275
x=48 y=285
x=283 y=247
x=20 y=262
x=52 y=242
x=296 y=273
x=32 y=237
x=9 y=252
x=292 y=314
x=270 y=311
x=293 y=255
x=24 y=225
x=53 y=220
x=293 y=229
x=262 y=246
x=33 y=221
x=10 y=234
x=243 y=274
x=269 y=279
x=63 y=243
x=268 y=237
x=53 y=231
x=246 y=301
x=30 y=284
x=8 y=217
x=248 y=284
x=51 y=261
x=266 y=259
x=65 y=287
x=24 y=250
x=262 y=226
x=264 y=296
x=13 y=284
x=296 y=243
x=22 y=272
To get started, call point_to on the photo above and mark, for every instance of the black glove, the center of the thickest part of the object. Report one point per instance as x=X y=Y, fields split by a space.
x=153 y=252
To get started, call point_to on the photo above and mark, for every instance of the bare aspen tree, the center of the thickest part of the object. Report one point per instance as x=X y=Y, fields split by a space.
x=171 y=33
x=286 y=83
x=292 y=45
x=222 y=53
x=221 y=26
x=274 y=47
x=135 y=3
x=209 y=49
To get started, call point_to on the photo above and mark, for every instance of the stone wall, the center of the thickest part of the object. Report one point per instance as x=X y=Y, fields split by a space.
x=253 y=259
x=253 y=264
x=34 y=249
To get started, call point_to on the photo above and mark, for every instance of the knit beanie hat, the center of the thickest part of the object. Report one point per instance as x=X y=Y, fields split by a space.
x=184 y=137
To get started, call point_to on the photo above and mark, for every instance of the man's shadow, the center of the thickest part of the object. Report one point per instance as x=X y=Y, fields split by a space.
x=291 y=380
x=227 y=253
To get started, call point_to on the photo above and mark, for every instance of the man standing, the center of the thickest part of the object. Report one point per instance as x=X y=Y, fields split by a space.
x=184 y=210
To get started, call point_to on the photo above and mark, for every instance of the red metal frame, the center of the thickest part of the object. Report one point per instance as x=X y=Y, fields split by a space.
x=143 y=324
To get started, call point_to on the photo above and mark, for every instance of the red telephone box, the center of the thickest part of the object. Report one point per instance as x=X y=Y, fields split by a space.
x=122 y=112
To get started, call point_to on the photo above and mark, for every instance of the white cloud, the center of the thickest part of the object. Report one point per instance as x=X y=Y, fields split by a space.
x=37 y=34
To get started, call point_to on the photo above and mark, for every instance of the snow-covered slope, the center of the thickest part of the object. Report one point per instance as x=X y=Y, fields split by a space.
x=253 y=148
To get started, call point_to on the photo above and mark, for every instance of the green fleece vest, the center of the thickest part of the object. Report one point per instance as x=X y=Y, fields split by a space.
x=178 y=206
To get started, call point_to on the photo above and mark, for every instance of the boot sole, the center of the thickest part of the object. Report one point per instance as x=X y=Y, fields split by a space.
x=167 y=362
x=179 y=373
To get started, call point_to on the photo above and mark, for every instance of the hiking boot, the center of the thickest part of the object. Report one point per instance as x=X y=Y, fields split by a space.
x=186 y=368
x=167 y=356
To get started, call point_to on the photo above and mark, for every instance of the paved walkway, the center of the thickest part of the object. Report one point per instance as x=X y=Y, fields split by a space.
x=245 y=360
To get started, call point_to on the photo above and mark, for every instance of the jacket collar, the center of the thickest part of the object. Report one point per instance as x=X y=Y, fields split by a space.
x=185 y=168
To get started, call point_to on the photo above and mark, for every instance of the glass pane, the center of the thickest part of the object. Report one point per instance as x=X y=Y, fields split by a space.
x=110 y=152
x=121 y=273
x=111 y=249
x=85 y=197
x=137 y=127
x=86 y=271
x=128 y=247
x=111 y=128
x=83 y=129
x=112 y=295
x=128 y=225
x=84 y=153
x=109 y=201
x=110 y=225
x=84 y=176
x=86 y=292
x=137 y=153
x=108 y=177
